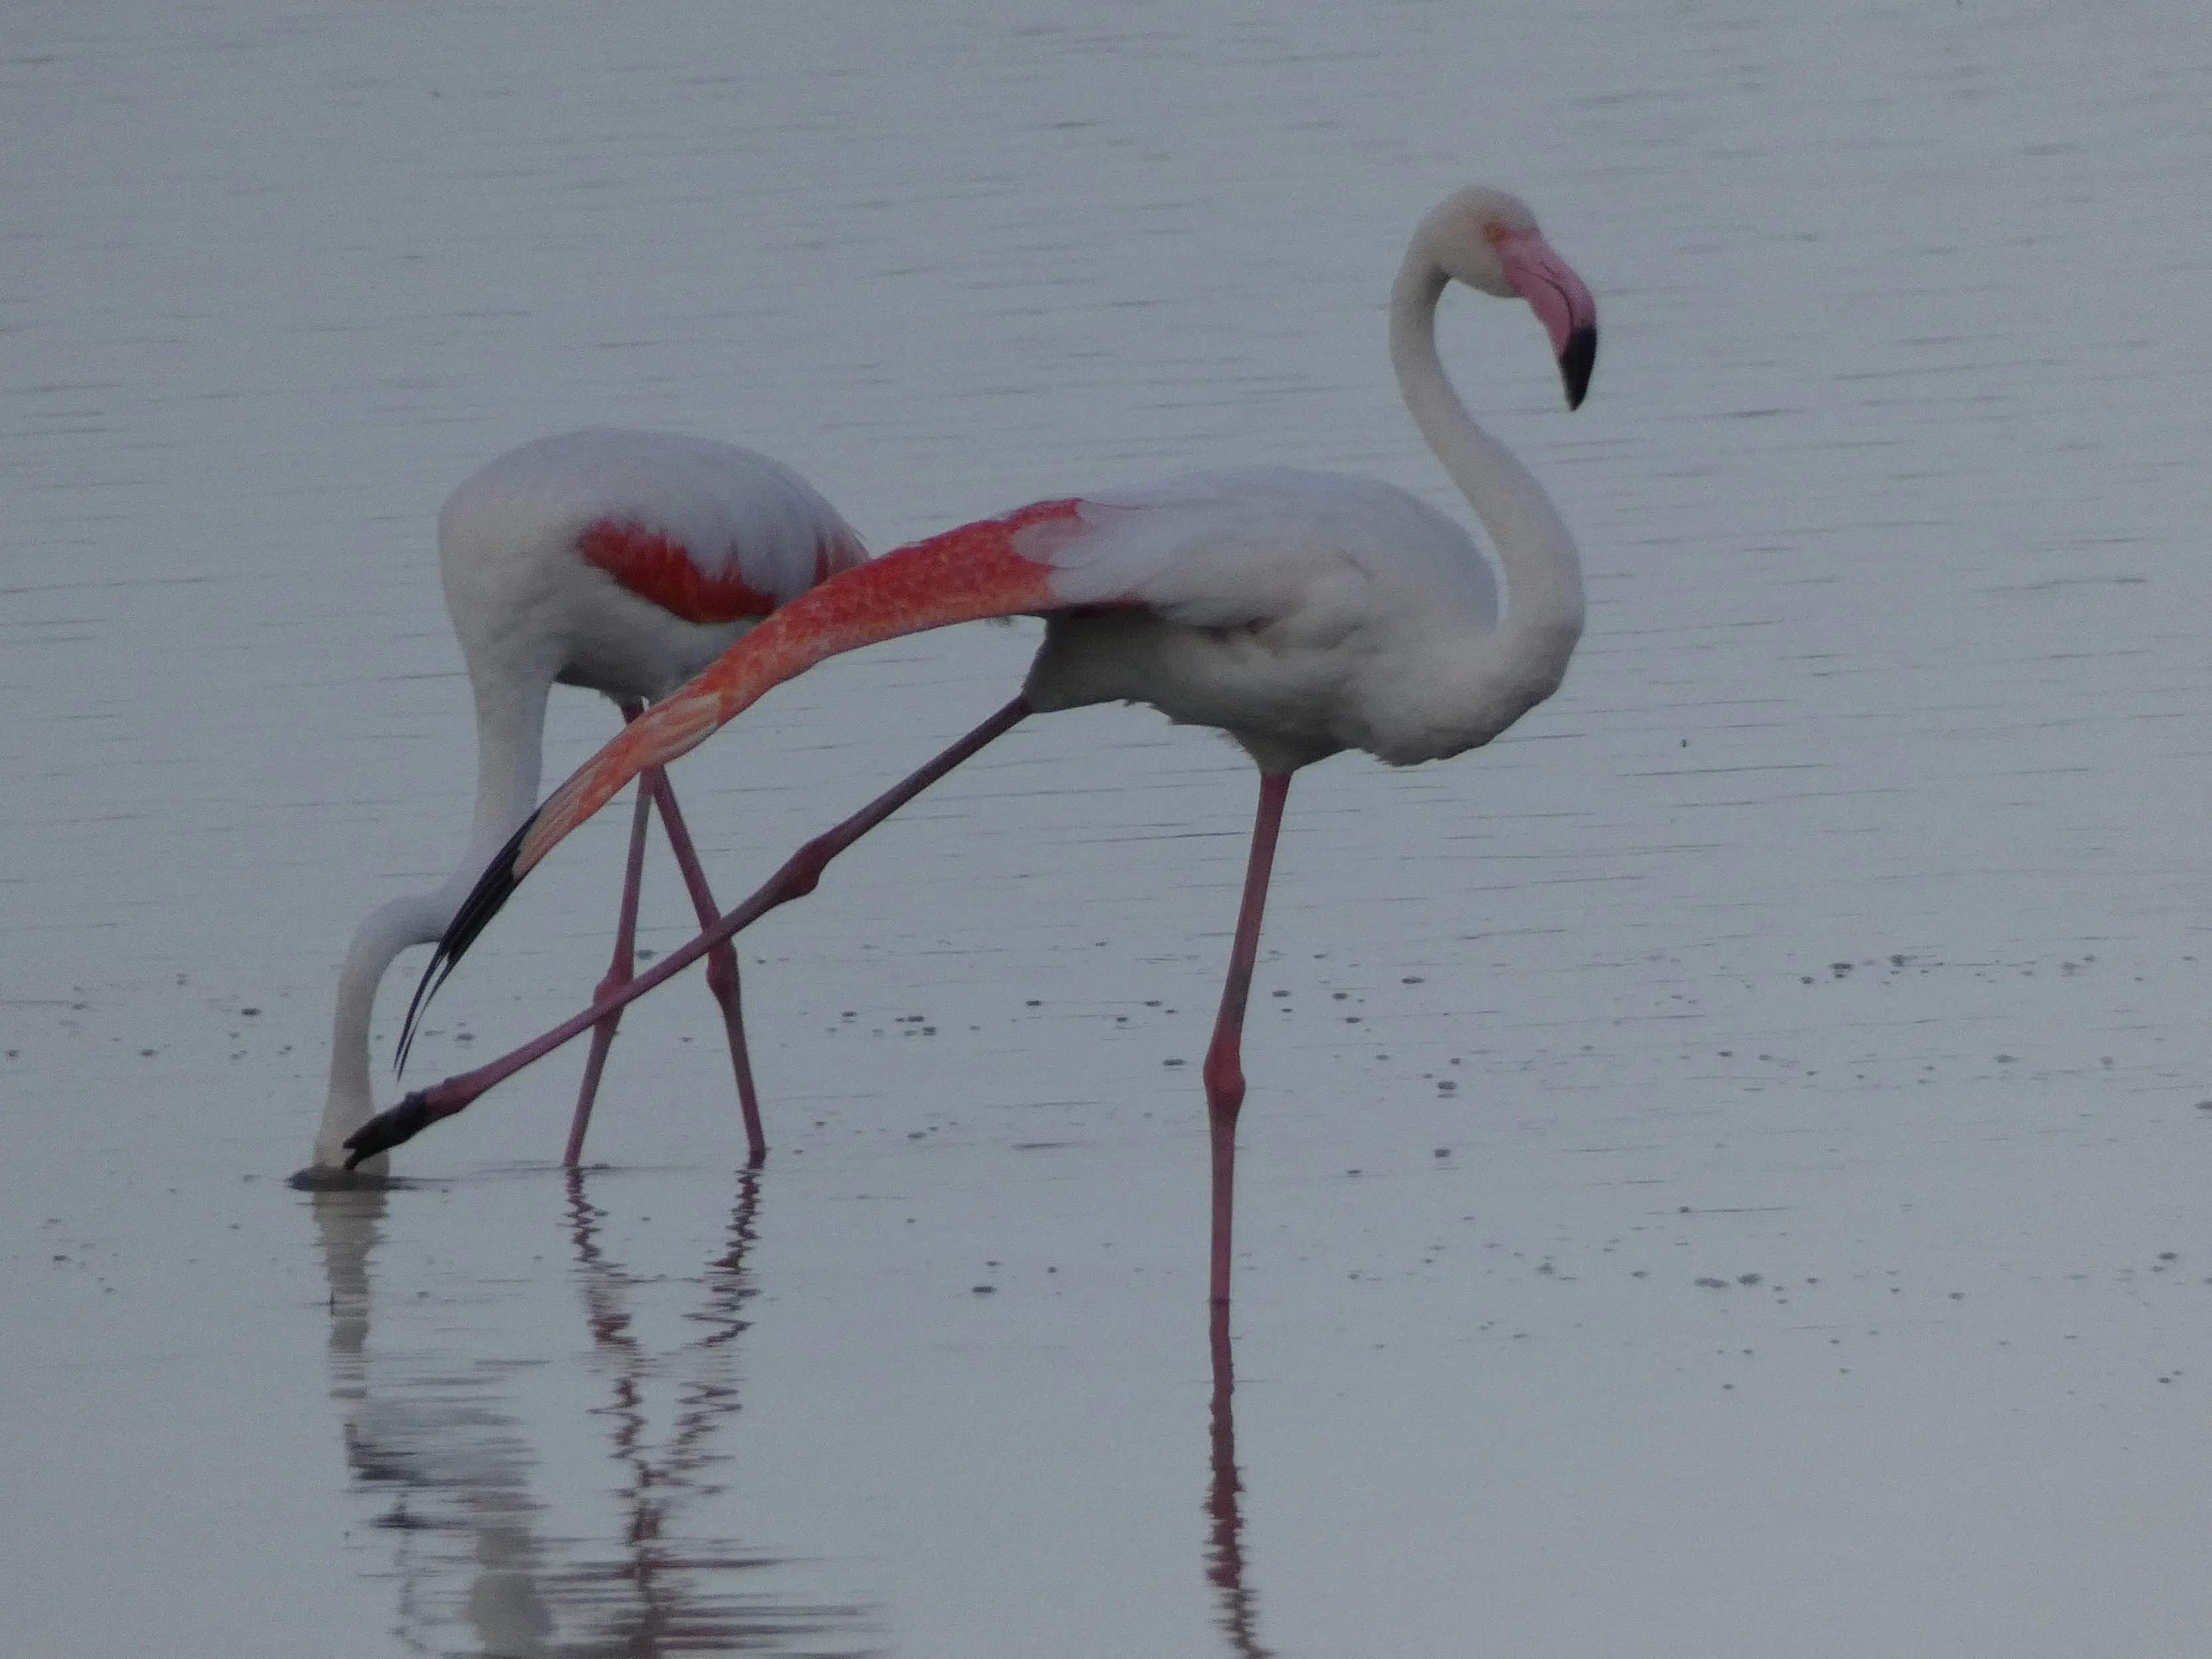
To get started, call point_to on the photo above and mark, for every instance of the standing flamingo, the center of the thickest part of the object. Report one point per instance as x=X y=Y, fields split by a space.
x=624 y=561
x=1302 y=613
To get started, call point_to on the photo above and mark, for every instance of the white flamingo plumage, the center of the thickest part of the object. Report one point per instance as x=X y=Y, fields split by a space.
x=1302 y=613
x=623 y=562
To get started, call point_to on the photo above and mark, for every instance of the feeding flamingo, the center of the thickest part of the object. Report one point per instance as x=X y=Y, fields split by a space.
x=623 y=562
x=1301 y=613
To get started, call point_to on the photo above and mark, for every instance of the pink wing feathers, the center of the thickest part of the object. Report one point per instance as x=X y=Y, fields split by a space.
x=715 y=585
x=970 y=572
x=708 y=532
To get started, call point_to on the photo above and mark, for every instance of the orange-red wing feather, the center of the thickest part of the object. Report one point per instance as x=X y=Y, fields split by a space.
x=661 y=570
x=958 y=576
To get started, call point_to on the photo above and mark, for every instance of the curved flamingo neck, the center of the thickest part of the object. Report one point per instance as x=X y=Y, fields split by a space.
x=1543 y=572
x=383 y=934
x=510 y=758
x=510 y=742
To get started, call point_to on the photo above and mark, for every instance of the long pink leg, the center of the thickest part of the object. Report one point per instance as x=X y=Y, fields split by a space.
x=618 y=974
x=800 y=873
x=721 y=960
x=1225 y=1069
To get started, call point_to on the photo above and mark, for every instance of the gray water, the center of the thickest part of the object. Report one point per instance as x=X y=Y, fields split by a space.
x=1725 y=1169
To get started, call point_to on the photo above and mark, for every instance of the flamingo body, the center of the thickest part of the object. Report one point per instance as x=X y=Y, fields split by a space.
x=618 y=560
x=626 y=562
x=1301 y=612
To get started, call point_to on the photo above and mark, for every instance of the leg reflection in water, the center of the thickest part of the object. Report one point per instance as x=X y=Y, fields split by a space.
x=1224 y=1553
x=437 y=1436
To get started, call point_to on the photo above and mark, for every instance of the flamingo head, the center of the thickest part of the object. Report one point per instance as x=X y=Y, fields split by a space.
x=1489 y=241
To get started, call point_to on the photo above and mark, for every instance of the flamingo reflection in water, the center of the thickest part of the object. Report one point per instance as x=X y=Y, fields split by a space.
x=1225 y=1552
x=437 y=1443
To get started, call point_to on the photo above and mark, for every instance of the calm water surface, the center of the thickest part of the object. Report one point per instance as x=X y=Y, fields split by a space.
x=1725 y=1168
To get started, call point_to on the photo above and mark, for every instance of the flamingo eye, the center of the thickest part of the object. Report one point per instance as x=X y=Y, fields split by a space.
x=1493 y=232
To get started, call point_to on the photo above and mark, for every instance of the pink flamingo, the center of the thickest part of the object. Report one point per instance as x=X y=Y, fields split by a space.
x=1301 y=613
x=623 y=562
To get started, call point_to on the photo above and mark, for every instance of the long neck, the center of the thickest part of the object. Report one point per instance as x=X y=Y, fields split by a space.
x=510 y=738
x=510 y=754
x=383 y=934
x=1543 y=573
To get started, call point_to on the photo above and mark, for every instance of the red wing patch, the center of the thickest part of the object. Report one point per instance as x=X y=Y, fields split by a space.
x=661 y=571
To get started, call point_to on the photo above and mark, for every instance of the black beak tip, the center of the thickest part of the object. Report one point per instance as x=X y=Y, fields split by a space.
x=1577 y=362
